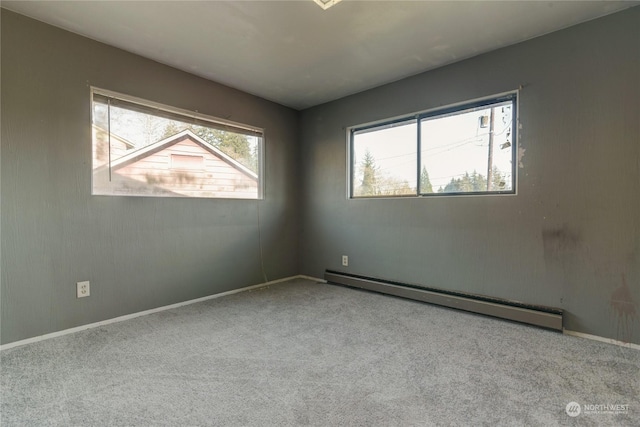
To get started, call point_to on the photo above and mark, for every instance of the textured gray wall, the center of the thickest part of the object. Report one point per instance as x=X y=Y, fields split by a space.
x=570 y=238
x=138 y=253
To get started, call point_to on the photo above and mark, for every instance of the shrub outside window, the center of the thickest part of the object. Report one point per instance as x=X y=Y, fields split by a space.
x=460 y=150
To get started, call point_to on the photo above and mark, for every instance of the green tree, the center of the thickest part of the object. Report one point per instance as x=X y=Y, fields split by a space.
x=476 y=182
x=466 y=184
x=499 y=181
x=425 y=182
x=235 y=145
x=170 y=129
x=369 y=175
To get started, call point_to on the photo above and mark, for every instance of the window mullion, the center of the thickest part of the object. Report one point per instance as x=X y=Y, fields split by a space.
x=109 y=133
x=418 y=155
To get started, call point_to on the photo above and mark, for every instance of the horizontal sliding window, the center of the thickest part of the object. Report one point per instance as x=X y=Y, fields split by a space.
x=466 y=149
x=142 y=148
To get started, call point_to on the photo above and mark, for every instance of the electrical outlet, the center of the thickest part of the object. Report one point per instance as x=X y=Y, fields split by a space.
x=83 y=289
x=345 y=260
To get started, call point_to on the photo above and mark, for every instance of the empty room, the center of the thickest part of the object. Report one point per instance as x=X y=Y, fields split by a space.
x=320 y=212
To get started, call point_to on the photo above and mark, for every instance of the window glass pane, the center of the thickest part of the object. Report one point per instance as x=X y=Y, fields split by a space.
x=468 y=151
x=139 y=152
x=384 y=160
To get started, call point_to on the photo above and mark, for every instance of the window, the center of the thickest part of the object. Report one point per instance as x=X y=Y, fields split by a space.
x=465 y=149
x=187 y=162
x=142 y=148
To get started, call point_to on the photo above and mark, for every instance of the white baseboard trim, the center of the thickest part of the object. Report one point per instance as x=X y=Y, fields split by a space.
x=602 y=339
x=146 y=312
x=235 y=291
x=315 y=279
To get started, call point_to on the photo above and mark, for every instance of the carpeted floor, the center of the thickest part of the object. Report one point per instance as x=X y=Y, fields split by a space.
x=301 y=353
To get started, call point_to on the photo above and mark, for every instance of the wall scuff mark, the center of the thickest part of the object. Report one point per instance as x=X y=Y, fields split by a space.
x=624 y=307
x=559 y=244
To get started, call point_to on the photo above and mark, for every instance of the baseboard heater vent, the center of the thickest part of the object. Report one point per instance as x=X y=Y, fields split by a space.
x=546 y=317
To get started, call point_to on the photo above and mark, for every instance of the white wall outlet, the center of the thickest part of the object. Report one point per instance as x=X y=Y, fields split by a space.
x=83 y=289
x=345 y=260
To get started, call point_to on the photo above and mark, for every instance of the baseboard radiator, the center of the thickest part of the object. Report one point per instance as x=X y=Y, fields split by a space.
x=546 y=317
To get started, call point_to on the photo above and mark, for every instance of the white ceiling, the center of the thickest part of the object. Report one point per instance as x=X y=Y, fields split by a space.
x=295 y=53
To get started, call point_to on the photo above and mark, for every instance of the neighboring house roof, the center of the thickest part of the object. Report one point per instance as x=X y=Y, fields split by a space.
x=130 y=145
x=174 y=139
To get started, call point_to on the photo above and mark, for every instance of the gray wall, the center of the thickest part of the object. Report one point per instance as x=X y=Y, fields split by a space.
x=569 y=239
x=138 y=253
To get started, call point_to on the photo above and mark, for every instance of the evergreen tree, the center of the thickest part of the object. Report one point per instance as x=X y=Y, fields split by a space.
x=467 y=183
x=425 y=182
x=170 y=129
x=369 y=175
x=476 y=182
x=235 y=145
x=499 y=181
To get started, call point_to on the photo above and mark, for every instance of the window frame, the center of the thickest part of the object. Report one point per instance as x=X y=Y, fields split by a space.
x=417 y=117
x=186 y=116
